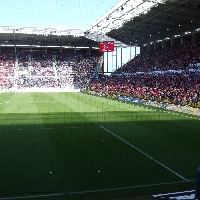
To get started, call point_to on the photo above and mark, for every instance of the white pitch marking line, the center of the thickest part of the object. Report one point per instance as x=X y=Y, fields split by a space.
x=124 y=188
x=28 y=197
x=91 y=191
x=146 y=154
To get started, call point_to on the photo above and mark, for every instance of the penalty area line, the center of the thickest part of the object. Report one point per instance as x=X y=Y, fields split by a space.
x=142 y=152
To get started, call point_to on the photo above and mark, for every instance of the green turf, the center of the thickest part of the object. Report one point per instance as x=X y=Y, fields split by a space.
x=87 y=146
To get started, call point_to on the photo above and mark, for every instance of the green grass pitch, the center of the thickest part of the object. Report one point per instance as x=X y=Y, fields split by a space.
x=76 y=145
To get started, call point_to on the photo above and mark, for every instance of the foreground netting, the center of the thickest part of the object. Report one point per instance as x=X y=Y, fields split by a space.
x=76 y=145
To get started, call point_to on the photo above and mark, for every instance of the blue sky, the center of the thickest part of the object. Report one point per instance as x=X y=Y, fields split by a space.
x=53 y=13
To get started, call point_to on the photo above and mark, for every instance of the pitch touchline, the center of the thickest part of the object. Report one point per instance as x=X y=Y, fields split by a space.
x=142 y=152
x=125 y=188
x=89 y=191
x=33 y=196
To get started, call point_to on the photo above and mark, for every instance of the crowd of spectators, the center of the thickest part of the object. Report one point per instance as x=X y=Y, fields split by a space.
x=177 y=57
x=163 y=75
x=76 y=70
x=171 y=74
x=40 y=69
x=176 y=86
x=35 y=82
x=7 y=63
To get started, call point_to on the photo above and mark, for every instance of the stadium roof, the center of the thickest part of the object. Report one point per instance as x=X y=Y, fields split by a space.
x=130 y=22
x=42 y=37
x=140 y=22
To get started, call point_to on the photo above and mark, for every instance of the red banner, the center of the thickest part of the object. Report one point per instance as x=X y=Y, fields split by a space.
x=106 y=46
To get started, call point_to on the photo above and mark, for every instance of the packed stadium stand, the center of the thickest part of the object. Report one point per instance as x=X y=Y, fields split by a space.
x=170 y=75
x=177 y=57
x=45 y=70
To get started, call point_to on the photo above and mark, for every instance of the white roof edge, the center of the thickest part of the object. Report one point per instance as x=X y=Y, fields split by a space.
x=108 y=13
x=41 y=30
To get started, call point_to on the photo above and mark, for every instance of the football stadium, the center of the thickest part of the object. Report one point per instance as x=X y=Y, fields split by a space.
x=100 y=100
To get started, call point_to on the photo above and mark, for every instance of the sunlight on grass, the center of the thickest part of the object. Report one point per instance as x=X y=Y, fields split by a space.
x=55 y=143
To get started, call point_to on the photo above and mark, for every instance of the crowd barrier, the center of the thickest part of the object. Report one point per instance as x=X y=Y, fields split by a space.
x=164 y=105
